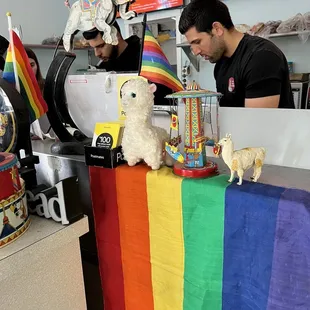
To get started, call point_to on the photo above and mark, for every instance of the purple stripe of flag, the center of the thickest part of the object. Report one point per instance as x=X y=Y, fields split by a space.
x=290 y=277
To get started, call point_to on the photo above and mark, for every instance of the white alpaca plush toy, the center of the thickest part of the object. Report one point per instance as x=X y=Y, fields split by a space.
x=242 y=160
x=141 y=140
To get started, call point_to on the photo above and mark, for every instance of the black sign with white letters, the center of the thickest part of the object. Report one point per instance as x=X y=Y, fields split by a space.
x=60 y=202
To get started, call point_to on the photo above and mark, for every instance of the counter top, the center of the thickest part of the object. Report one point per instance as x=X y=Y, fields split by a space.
x=273 y=175
x=43 y=237
x=44 y=147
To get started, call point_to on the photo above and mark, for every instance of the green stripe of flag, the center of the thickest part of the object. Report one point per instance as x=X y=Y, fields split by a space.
x=203 y=203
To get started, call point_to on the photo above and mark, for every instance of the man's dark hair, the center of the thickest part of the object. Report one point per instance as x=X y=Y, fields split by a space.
x=201 y=14
x=4 y=44
x=92 y=34
x=2 y=63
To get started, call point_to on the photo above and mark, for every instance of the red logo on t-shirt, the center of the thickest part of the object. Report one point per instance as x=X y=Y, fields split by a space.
x=231 y=84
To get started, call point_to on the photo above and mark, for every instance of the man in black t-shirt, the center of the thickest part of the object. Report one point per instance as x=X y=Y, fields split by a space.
x=123 y=57
x=4 y=44
x=250 y=71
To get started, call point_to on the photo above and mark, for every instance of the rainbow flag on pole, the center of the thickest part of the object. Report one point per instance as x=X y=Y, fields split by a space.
x=154 y=64
x=29 y=88
x=166 y=242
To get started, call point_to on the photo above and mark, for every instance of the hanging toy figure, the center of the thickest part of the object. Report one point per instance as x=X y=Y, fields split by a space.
x=101 y=14
x=217 y=150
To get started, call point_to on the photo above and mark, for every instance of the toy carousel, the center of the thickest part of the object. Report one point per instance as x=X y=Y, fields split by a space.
x=193 y=163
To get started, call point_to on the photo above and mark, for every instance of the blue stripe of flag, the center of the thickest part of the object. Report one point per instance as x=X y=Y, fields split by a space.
x=249 y=233
x=152 y=57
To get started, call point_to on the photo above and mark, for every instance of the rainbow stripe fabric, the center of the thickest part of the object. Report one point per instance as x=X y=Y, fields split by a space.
x=165 y=242
x=155 y=66
x=29 y=88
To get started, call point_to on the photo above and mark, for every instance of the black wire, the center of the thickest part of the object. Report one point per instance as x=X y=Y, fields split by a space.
x=57 y=46
x=49 y=129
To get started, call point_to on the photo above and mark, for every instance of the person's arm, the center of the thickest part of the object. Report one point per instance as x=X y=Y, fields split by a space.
x=263 y=78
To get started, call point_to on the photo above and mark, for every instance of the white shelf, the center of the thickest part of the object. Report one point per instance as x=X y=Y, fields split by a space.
x=289 y=34
x=274 y=35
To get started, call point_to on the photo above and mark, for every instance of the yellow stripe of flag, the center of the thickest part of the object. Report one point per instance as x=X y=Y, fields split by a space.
x=166 y=238
x=151 y=38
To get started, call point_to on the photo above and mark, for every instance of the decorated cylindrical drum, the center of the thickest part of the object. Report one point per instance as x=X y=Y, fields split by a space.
x=14 y=219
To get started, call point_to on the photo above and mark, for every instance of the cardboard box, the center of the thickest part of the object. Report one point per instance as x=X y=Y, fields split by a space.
x=102 y=157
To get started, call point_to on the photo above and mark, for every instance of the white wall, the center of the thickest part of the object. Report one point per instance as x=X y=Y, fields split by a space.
x=39 y=20
x=251 y=12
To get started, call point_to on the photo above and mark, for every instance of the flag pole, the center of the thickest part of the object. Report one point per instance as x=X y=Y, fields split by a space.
x=142 y=43
x=17 y=85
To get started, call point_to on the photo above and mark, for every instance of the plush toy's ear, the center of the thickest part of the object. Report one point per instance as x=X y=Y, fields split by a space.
x=153 y=88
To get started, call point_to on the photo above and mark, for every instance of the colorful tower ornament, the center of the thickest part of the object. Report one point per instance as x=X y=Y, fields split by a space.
x=194 y=162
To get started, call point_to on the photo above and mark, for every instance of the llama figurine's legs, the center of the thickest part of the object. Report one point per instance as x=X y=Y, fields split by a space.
x=154 y=161
x=240 y=175
x=132 y=161
x=258 y=172
x=232 y=176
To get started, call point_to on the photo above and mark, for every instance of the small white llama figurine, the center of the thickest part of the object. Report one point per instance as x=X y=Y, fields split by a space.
x=242 y=160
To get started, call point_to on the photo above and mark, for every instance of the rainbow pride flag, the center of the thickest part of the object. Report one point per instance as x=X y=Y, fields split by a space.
x=154 y=64
x=165 y=242
x=29 y=88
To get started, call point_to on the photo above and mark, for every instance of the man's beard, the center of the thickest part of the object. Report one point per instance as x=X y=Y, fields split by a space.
x=113 y=54
x=110 y=64
x=218 y=52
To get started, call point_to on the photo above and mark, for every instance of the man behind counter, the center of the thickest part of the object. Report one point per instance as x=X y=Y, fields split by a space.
x=124 y=57
x=250 y=71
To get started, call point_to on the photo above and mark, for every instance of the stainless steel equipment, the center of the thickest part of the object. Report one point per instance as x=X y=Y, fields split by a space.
x=300 y=89
x=300 y=92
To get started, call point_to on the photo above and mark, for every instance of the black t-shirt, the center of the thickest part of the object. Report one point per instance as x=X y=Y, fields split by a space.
x=128 y=60
x=257 y=69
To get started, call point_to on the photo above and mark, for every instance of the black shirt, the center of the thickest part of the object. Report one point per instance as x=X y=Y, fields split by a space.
x=257 y=69
x=128 y=60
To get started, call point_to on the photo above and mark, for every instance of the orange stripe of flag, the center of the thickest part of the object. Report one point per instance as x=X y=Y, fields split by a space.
x=19 y=48
x=134 y=236
x=153 y=45
x=32 y=96
x=32 y=85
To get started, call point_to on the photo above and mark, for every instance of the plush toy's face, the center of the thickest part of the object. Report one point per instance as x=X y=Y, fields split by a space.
x=137 y=94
